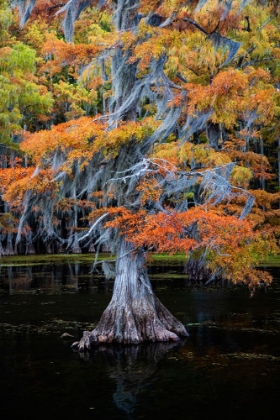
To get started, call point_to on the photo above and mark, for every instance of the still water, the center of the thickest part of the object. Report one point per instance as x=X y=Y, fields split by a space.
x=228 y=368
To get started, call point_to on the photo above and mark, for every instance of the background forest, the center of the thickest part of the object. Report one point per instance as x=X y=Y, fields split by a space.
x=206 y=89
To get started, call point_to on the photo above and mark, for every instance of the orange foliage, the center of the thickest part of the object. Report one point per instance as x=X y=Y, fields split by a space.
x=17 y=181
x=46 y=10
x=150 y=189
x=81 y=138
x=167 y=231
x=61 y=54
x=232 y=93
x=231 y=243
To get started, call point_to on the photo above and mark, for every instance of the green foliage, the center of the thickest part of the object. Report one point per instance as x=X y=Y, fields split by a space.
x=5 y=22
x=23 y=100
x=73 y=100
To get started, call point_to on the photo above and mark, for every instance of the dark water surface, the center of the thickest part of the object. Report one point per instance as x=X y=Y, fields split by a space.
x=228 y=368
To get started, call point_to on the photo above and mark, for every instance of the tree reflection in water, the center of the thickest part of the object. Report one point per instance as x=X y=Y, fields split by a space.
x=133 y=368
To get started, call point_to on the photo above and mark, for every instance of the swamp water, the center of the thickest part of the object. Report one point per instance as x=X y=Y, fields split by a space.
x=228 y=368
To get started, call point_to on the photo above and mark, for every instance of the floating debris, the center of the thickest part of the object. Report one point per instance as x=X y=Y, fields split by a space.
x=66 y=336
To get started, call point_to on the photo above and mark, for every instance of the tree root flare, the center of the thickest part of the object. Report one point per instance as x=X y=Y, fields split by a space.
x=155 y=332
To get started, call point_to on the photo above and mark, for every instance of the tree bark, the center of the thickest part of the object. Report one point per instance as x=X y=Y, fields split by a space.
x=135 y=314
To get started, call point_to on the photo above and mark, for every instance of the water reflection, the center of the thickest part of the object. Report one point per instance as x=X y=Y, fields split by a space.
x=229 y=366
x=49 y=277
x=133 y=368
x=75 y=275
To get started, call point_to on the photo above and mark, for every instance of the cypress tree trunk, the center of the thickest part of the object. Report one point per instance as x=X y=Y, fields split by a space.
x=134 y=314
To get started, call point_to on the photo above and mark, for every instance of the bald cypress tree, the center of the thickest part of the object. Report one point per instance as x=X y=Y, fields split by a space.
x=147 y=186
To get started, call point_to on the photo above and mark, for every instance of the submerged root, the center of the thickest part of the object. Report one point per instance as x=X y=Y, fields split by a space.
x=84 y=343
